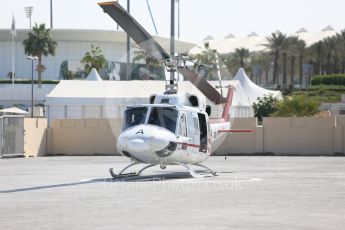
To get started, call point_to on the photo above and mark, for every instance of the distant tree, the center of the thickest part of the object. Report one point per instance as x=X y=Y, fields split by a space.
x=94 y=59
x=38 y=43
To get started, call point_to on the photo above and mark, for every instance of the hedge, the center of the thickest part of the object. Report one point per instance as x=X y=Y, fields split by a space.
x=334 y=79
x=29 y=82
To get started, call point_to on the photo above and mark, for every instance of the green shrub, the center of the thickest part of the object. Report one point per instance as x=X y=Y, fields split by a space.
x=265 y=106
x=334 y=79
x=297 y=106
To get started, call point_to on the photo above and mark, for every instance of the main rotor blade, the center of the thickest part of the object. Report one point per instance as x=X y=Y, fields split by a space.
x=135 y=30
x=208 y=90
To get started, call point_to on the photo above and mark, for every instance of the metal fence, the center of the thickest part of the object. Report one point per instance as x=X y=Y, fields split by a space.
x=11 y=135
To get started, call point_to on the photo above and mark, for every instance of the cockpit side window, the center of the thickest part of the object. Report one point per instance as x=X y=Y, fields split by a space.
x=134 y=116
x=165 y=117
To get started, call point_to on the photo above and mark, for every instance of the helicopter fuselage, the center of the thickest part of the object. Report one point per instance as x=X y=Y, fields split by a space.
x=165 y=134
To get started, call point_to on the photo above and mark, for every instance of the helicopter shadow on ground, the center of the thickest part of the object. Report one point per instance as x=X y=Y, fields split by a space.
x=167 y=176
x=170 y=175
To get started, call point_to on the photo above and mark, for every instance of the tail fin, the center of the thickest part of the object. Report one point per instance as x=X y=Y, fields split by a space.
x=228 y=103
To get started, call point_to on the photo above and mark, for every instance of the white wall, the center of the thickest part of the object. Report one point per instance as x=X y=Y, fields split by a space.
x=21 y=94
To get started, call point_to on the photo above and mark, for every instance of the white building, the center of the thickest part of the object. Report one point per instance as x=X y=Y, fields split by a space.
x=72 y=45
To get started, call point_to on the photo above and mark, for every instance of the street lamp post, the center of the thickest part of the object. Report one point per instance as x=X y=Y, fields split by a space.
x=28 y=12
x=32 y=58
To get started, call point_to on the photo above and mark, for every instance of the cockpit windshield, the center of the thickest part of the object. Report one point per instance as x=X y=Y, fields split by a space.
x=165 y=117
x=134 y=116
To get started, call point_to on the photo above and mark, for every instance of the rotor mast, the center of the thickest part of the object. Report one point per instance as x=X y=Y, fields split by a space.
x=172 y=35
x=171 y=88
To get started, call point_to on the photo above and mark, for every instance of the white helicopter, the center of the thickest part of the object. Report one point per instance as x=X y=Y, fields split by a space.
x=174 y=129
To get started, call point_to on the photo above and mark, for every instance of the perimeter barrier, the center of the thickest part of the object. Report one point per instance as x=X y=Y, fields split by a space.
x=11 y=135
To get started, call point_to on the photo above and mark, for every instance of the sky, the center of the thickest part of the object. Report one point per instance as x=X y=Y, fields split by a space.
x=199 y=18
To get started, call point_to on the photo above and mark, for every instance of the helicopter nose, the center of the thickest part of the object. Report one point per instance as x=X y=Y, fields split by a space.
x=157 y=142
x=152 y=139
x=139 y=145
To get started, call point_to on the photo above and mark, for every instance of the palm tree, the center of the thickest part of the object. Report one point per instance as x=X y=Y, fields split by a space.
x=341 y=47
x=296 y=48
x=94 y=59
x=317 y=52
x=276 y=43
x=241 y=54
x=38 y=43
x=301 y=49
x=150 y=62
x=206 y=60
x=262 y=59
x=331 y=54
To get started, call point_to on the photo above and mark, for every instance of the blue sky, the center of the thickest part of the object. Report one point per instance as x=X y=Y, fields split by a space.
x=199 y=18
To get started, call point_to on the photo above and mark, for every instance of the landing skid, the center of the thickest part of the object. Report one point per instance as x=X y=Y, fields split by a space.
x=191 y=171
x=208 y=169
x=197 y=175
x=121 y=174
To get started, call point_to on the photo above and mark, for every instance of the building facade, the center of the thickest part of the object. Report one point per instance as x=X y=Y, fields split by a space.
x=72 y=46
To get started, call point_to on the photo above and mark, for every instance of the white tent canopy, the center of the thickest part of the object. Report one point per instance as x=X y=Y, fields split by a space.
x=229 y=44
x=252 y=90
x=325 y=33
x=93 y=76
x=107 y=99
x=255 y=42
x=14 y=110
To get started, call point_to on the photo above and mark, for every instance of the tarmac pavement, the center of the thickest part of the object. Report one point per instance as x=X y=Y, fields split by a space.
x=250 y=193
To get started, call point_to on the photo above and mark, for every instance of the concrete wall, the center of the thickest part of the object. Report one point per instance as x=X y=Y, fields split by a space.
x=288 y=136
x=83 y=136
x=35 y=143
x=280 y=136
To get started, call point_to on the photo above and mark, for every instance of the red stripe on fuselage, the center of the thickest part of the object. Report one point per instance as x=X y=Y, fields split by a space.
x=237 y=131
x=189 y=145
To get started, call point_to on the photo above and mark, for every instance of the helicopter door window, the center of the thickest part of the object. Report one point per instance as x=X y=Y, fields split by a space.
x=134 y=116
x=182 y=130
x=203 y=132
x=196 y=126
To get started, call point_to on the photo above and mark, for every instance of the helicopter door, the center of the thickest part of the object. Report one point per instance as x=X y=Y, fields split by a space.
x=203 y=132
x=195 y=131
